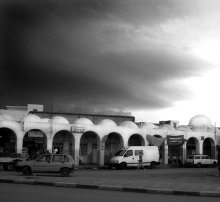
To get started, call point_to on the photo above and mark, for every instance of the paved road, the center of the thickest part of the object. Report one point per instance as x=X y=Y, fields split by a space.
x=30 y=193
x=166 y=180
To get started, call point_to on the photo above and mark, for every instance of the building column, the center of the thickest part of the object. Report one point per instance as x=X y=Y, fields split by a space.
x=165 y=154
x=199 y=149
x=102 y=154
x=19 y=145
x=184 y=153
x=77 y=137
x=49 y=142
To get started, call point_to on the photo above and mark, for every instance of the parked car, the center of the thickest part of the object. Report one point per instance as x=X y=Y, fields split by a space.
x=200 y=160
x=129 y=157
x=48 y=163
x=8 y=162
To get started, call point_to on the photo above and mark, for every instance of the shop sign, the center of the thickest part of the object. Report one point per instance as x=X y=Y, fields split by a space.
x=175 y=140
x=75 y=129
x=35 y=134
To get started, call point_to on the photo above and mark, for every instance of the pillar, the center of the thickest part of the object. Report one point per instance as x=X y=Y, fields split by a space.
x=77 y=137
x=165 y=153
x=19 y=144
x=199 y=149
x=49 y=142
x=102 y=154
x=184 y=152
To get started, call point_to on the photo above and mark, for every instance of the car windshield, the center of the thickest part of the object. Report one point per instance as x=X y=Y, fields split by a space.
x=120 y=153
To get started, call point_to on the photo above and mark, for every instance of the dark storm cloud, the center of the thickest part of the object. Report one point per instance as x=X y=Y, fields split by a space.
x=84 y=53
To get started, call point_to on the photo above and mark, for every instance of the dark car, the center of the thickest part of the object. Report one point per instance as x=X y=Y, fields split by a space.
x=48 y=163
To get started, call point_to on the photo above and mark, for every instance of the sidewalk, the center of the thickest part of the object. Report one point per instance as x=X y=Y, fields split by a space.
x=178 y=181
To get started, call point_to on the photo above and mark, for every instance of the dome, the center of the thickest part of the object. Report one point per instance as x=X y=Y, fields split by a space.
x=200 y=121
x=107 y=122
x=31 y=118
x=60 y=120
x=128 y=124
x=83 y=121
x=148 y=126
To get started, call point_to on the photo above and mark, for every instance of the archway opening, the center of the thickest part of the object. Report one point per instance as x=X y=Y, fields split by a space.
x=136 y=140
x=8 y=141
x=191 y=146
x=113 y=144
x=209 y=147
x=64 y=143
x=88 y=148
x=34 y=143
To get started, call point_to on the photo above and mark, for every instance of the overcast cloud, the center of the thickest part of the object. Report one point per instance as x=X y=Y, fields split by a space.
x=94 y=55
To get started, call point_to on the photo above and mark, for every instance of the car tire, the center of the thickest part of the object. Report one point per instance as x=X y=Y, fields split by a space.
x=199 y=165
x=123 y=166
x=214 y=164
x=10 y=167
x=153 y=165
x=26 y=171
x=65 y=172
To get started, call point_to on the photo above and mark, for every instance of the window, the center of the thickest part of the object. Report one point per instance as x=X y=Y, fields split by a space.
x=138 y=152
x=45 y=158
x=57 y=158
x=203 y=157
x=66 y=159
x=129 y=153
x=197 y=157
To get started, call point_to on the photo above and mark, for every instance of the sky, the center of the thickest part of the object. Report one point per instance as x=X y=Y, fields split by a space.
x=152 y=59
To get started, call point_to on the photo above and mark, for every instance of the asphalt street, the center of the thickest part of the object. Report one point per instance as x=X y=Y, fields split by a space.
x=176 y=181
x=31 y=193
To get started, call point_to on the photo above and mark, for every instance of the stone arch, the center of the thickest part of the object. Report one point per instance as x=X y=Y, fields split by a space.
x=114 y=142
x=89 y=148
x=192 y=146
x=136 y=140
x=34 y=143
x=8 y=141
x=63 y=142
x=209 y=147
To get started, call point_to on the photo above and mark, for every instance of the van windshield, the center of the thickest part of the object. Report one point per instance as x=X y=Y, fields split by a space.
x=120 y=153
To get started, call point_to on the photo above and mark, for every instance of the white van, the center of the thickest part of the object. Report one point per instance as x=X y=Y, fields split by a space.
x=129 y=157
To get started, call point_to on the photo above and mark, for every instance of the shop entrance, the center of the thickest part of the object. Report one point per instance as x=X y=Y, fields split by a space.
x=63 y=143
x=34 y=143
x=191 y=146
x=88 y=148
x=209 y=147
x=7 y=142
x=113 y=144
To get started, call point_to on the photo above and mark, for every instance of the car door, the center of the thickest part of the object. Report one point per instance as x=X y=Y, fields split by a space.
x=129 y=158
x=42 y=164
x=57 y=163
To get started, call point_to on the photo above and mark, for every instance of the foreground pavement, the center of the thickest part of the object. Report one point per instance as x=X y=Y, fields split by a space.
x=177 y=181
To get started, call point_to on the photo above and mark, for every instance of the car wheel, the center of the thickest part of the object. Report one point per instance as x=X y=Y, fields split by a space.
x=214 y=164
x=10 y=167
x=123 y=166
x=65 y=172
x=5 y=167
x=153 y=165
x=199 y=165
x=26 y=171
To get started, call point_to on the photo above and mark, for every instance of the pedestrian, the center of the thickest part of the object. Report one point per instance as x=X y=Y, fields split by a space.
x=140 y=161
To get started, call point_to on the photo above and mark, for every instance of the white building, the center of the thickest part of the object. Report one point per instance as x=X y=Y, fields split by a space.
x=91 y=143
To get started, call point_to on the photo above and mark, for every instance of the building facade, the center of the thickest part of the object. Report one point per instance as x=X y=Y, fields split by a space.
x=93 y=139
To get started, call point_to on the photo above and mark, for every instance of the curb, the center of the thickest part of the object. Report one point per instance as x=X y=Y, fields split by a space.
x=114 y=188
